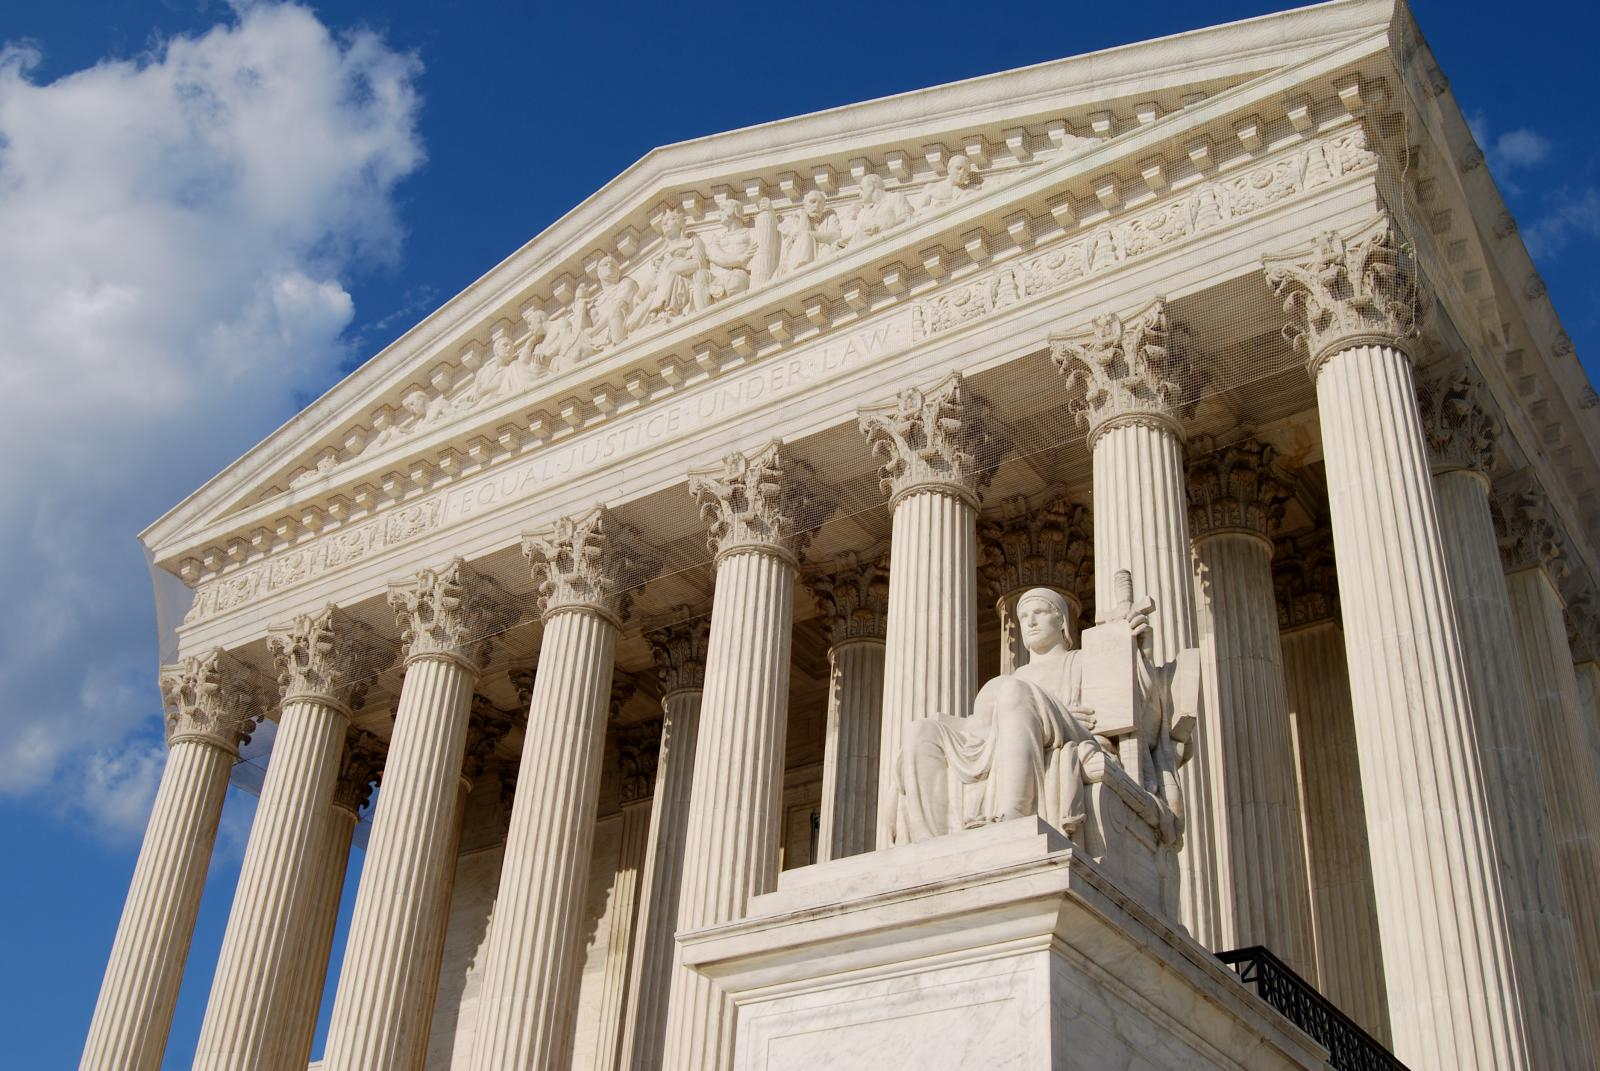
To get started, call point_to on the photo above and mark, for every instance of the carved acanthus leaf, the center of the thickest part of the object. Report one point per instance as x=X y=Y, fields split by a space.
x=759 y=501
x=452 y=612
x=327 y=656
x=679 y=652
x=1525 y=525
x=487 y=725
x=1135 y=369
x=1305 y=580
x=1344 y=292
x=638 y=755
x=212 y=698
x=853 y=599
x=940 y=438
x=591 y=561
x=360 y=767
x=1236 y=488
x=1050 y=546
x=1582 y=618
x=1461 y=432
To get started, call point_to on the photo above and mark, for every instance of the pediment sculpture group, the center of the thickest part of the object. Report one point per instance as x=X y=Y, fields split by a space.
x=1047 y=738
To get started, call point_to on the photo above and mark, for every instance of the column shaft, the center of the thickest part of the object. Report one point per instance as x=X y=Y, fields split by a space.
x=1260 y=851
x=930 y=659
x=850 y=751
x=259 y=969
x=1515 y=790
x=299 y=1033
x=140 y=989
x=1141 y=523
x=731 y=849
x=624 y=914
x=1349 y=957
x=655 y=949
x=1572 y=785
x=530 y=976
x=1441 y=913
x=381 y=1012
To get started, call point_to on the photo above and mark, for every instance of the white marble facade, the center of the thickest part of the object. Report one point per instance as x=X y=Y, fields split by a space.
x=1149 y=496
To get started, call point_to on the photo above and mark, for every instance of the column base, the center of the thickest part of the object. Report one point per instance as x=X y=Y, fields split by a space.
x=997 y=947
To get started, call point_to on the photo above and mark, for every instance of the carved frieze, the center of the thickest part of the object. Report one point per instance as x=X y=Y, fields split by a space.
x=1056 y=266
x=1138 y=369
x=762 y=500
x=591 y=561
x=360 y=767
x=213 y=698
x=328 y=657
x=939 y=438
x=452 y=612
x=1236 y=488
x=853 y=599
x=1460 y=431
x=679 y=652
x=1348 y=291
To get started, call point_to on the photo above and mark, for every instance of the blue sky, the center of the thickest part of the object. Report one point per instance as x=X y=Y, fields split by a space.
x=193 y=278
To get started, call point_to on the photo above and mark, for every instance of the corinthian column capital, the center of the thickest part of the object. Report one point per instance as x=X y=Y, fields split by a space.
x=327 y=656
x=853 y=600
x=211 y=698
x=360 y=767
x=759 y=501
x=1237 y=489
x=1347 y=291
x=1051 y=546
x=638 y=755
x=487 y=725
x=1305 y=580
x=680 y=655
x=1529 y=537
x=590 y=561
x=939 y=438
x=1122 y=371
x=1460 y=431
x=451 y=613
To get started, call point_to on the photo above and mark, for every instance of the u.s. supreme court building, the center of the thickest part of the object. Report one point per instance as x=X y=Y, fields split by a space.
x=1092 y=566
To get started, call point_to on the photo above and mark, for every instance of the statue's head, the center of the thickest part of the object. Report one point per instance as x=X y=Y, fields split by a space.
x=1045 y=618
x=815 y=203
x=960 y=170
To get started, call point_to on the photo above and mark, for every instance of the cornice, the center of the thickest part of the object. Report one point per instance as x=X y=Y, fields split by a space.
x=1055 y=198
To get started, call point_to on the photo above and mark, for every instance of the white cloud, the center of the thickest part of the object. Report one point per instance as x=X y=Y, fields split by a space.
x=1569 y=215
x=178 y=233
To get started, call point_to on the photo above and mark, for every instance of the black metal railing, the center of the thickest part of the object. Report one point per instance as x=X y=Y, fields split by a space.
x=1350 y=1048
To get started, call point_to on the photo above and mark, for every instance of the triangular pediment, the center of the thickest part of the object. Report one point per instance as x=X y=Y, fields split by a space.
x=716 y=252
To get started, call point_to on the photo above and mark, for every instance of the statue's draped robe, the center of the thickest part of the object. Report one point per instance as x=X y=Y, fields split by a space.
x=1021 y=745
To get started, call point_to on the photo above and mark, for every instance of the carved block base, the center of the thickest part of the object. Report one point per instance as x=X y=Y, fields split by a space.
x=1001 y=947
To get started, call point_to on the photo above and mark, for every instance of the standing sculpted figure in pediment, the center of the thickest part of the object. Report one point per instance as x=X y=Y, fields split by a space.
x=814 y=233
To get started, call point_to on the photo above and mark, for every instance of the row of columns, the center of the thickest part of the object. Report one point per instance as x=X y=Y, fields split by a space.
x=1430 y=776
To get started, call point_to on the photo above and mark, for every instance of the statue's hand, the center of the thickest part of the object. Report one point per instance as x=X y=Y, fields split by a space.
x=1084 y=716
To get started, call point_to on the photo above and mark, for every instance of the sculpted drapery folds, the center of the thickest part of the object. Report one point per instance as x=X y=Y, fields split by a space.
x=451 y=612
x=213 y=698
x=763 y=500
x=327 y=656
x=941 y=437
x=589 y=561
x=1119 y=370
x=1348 y=291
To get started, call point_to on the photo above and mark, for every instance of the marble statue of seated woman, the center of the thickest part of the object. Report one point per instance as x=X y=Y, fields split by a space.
x=1020 y=753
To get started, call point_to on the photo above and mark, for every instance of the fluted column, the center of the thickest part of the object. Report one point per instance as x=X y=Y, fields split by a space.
x=1050 y=546
x=382 y=1012
x=854 y=601
x=1461 y=440
x=680 y=657
x=1236 y=498
x=637 y=748
x=359 y=767
x=1133 y=381
x=587 y=565
x=325 y=661
x=938 y=452
x=1446 y=945
x=1532 y=555
x=1349 y=957
x=761 y=508
x=211 y=705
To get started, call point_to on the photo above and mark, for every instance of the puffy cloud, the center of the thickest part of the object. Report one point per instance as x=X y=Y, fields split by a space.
x=179 y=233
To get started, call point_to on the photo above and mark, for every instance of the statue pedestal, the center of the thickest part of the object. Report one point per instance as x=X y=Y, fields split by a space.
x=1001 y=947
